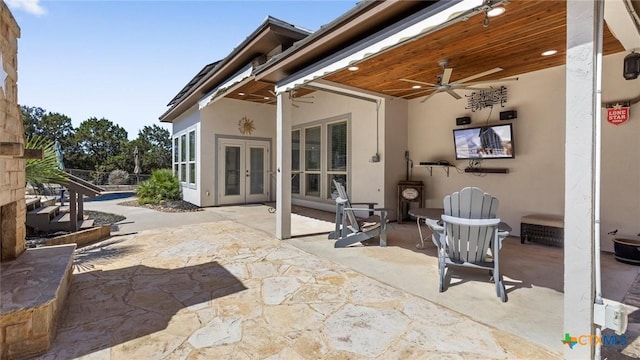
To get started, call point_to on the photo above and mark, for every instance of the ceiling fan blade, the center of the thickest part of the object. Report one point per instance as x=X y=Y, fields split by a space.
x=416 y=93
x=303 y=101
x=454 y=94
x=392 y=90
x=479 y=75
x=446 y=76
x=471 y=88
x=488 y=81
x=418 y=82
x=428 y=96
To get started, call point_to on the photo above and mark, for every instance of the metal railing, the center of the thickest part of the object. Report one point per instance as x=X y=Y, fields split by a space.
x=102 y=177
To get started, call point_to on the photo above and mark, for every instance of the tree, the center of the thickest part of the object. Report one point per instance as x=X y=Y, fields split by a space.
x=97 y=141
x=31 y=115
x=154 y=144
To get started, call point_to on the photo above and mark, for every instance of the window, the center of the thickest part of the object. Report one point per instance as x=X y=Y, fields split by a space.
x=176 y=157
x=184 y=157
x=319 y=154
x=312 y=165
x=295 y=162
x=336 y=156
x=192 y=157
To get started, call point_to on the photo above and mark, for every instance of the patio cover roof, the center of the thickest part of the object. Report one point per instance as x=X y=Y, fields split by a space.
x=412 y=48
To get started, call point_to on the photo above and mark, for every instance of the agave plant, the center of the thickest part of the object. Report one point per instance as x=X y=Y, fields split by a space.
x=45 y=170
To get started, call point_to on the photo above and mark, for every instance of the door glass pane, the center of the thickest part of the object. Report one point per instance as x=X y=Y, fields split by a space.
x=295 y=150
x=337 y=146
x=332 y=191
x=232 y=170
x=312 y=185
x=312 y=148
x=256 y=171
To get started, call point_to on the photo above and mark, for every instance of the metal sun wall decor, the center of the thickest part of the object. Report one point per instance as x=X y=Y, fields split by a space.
x=245 y=125
x=479 y=100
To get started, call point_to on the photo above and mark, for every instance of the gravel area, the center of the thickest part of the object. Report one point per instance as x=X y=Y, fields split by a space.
x=167 y=206
x=102 y=218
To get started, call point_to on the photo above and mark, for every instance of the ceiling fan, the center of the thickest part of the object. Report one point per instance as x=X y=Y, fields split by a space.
x=443 y=83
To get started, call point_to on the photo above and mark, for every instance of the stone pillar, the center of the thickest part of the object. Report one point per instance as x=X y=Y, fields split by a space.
x=12 y=179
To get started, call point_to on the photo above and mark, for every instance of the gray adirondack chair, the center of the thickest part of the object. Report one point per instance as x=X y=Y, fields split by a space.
x=467 y=232
x=349 y=229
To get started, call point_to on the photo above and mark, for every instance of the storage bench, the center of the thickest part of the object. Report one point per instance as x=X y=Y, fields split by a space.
x=542 y=228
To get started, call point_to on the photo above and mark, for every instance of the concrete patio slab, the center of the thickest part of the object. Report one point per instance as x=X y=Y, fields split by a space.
x=222 y=289
x=533 y=273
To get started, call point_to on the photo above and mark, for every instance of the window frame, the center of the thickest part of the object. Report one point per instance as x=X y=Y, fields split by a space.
x=325 y=175
x=185 y=155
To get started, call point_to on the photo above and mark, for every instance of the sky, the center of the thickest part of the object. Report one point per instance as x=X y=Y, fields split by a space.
x=125 y=60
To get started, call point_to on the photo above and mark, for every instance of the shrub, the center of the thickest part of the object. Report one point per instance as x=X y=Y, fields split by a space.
x=118 y=177
x=161 y=187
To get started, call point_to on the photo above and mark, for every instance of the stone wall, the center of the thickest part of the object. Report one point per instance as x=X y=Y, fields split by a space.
x=12 y=178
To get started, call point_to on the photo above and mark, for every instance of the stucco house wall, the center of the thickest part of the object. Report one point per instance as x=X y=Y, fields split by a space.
x=361 y=114
x=220 y=120
x=535 y=182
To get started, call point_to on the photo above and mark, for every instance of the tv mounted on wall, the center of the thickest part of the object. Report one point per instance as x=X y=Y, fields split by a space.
x=484 y=142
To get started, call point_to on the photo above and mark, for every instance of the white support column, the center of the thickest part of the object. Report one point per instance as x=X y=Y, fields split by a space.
x=579 y=287
x=283 y=167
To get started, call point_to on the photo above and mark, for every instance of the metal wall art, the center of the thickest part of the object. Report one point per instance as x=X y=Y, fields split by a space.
x=479 y=100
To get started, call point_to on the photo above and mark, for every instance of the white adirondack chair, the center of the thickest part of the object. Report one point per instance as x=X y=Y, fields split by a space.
x=350 y=229
x=467 y=232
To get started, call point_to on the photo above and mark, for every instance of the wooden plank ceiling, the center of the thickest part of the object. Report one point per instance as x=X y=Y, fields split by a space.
x=513 y=41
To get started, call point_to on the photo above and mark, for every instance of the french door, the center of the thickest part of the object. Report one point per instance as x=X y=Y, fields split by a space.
x=243 y=175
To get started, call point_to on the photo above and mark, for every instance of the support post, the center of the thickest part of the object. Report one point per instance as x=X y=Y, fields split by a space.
x=581 y=73
x=73 y=211
x=283 y=167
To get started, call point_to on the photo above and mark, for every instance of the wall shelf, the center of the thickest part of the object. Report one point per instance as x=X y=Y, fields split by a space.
x=429 y=168
x=487 y=170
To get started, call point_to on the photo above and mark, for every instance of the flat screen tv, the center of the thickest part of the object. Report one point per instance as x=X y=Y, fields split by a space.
x=484 y=142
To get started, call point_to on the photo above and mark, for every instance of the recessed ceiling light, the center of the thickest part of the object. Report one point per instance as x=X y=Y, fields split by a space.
x=416 y=87
x=267 y=98
x=549 y=52
x=241 y=94
x=353 y=68
x=496 y=11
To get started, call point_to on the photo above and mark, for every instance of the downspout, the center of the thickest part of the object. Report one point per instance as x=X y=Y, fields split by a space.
x=597 y=160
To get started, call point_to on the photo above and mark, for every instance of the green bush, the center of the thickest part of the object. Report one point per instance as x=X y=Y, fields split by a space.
x=161 y=187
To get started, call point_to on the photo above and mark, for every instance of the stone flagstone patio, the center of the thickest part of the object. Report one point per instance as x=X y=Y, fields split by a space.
x=224 y=290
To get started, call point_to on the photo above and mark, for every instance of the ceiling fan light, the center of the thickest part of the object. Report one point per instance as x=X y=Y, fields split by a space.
x=353 y=68
x=549 y=52
x=496 y=11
